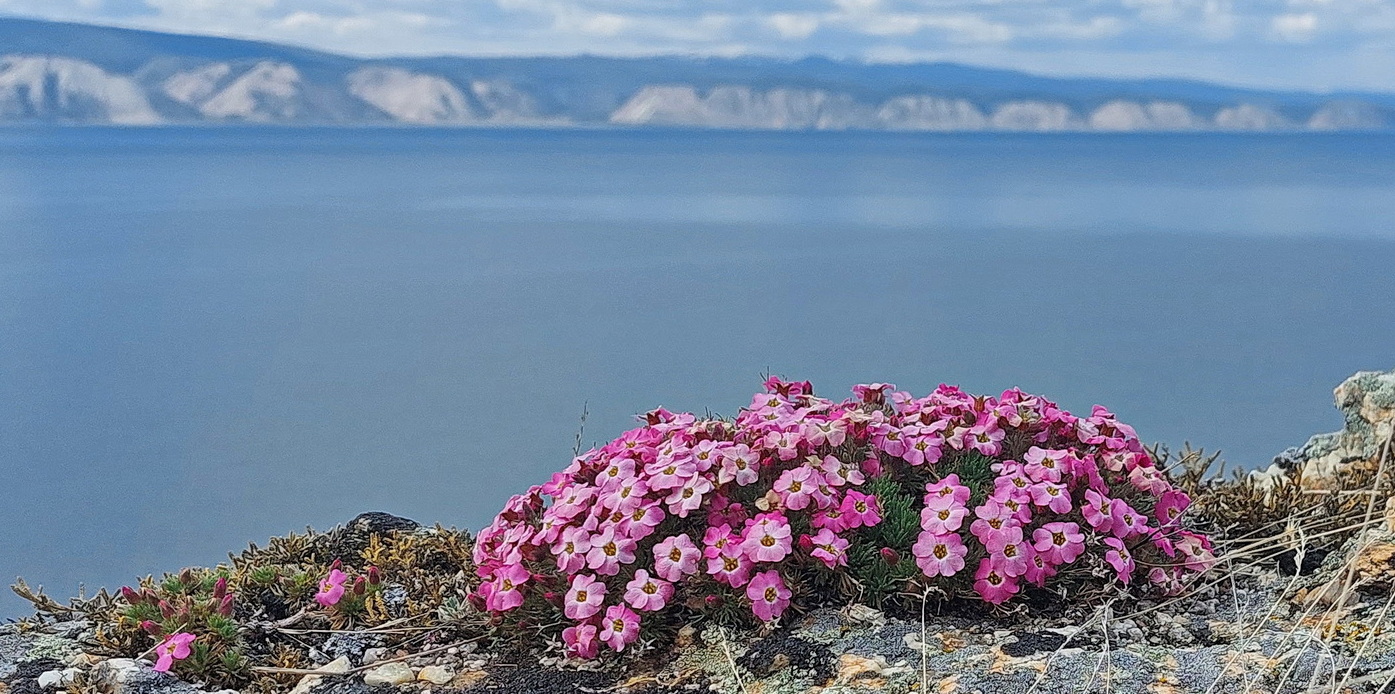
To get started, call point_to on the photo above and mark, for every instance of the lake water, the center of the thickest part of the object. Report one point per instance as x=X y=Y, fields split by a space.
x=210 y=336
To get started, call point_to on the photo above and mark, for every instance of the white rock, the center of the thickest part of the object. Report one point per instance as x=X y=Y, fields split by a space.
x=338 y=666
x=435 y=674
x=373 y=655
x=50 y=679
x=390 y=673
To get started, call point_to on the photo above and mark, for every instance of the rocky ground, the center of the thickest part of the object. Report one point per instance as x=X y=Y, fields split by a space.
x=1292 y=614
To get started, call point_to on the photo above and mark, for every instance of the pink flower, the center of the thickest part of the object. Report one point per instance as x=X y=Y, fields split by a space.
x=939 y=554
x=581 y=641
x=1170 y=508
x=608 y=551
x=1011 y=559
x=1038 y=570
x=731 y=566
x=1098 y=511
x=839 y=473
x=585 y=597
x=1043 y=465
x=831 y=518
x=619 y=470
x=331 y=588
x=768 y=538
x=626 y=495
x=174 y=647
x=574 y=502
x=860 y=510
x=940 y=521
x=670 y=474
x=1059 y=543
x=647 y=593
x=1051 y=495
x=641 y=522
x=1196 y=552
x=796 y=487
x=739 y=464
x=986 y=436
x=571 y=549
x=923 y=445
x=829 y=548
x=826 y=431
x=508 y=588
x=716 y=539
x=1128 y=522
x=620 y=627
x=1118 y=557
x=768 y=594
x=676 y=557
x=688 y=497
x=887 y=438
x=992 y=585
x=784 y=443
x=946 y=492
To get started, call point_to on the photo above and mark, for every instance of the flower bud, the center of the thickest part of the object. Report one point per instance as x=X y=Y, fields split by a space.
x=336 y=564
x=150 y=595
x=151 y=628
x=166 y=609
x=186 y=576
x=713 y=601
x=220 y=588
x=806 y=543
x=891 y=556
x=226 y=607
x=374 y=576
x=132 y=597
x=476 y=601
x=360 y=585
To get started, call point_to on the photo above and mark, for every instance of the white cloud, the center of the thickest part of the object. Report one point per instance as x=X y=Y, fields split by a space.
x=1296 y=28
x=793 y=26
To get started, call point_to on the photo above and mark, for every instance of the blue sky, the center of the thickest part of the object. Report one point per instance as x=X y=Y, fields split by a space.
x=1314 y=44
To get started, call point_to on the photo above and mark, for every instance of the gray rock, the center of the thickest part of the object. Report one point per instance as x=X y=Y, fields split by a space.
x=1367 y=403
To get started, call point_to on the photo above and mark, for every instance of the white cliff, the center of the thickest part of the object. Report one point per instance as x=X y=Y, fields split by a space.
x=269 y=92
x=411 y=97
x=1035 y=116
x=1131 y=116
x=1250 y=117
x=36 y=87
x=930 y=113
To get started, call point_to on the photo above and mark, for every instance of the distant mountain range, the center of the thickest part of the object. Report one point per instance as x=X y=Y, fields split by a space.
x=52 y=72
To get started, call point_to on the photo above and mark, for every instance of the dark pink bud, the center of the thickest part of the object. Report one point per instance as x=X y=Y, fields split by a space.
x=151 y=628
x=225 y=608
x=336 y=564
x=132 y=597
x=360 y=585
x=220 y=588
x=806 y=543
x=166 y=609
x=374 y=576
x=890 y=556
x=476 y=601
x=713 y=601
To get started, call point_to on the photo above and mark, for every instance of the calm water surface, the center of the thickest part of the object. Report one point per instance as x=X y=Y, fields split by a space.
x=208 y=337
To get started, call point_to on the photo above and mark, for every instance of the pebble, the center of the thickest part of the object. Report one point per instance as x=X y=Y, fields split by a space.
x=390 y=674
x=435 y=674
x=373 y=655
x=50 y=679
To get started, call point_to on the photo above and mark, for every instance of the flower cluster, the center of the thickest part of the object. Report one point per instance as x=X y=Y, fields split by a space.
x=992 y=497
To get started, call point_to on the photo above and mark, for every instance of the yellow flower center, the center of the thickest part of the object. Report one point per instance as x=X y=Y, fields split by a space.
x=610 y=549
x=1058 y=539
x=730 y=564
x=940 y=551
x=796 y=486
x=768 y=541
x=650 y=588
x=508 y=585
x=771 y=595
x=944 y=514
x=581 y=596
x=675 y=554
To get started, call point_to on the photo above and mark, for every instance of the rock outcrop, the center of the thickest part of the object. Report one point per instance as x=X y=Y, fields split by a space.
x=1367 y=403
